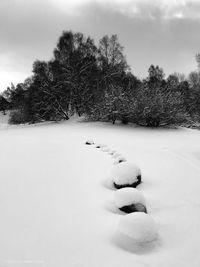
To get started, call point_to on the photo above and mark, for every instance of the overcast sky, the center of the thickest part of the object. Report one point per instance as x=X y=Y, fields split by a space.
x=163 y=32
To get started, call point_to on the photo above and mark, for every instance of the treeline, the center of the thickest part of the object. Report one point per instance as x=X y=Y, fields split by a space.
x=96 y=82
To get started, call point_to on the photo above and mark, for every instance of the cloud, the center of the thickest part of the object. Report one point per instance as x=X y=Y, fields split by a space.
x=159 y=32
x=152 y=9
x=11 y=77
x=28 y=31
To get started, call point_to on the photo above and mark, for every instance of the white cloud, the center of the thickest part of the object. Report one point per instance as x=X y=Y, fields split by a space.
x=179 y=15
x=166 y=9
x=26 y=34
x=12 y=76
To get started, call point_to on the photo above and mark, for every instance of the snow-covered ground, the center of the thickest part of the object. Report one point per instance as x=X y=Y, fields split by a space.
x=56 y=207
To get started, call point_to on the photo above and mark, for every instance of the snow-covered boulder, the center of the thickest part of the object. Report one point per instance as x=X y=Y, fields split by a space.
x=100 y=145
x=120 y=159
x=112 y=152
x=130 y=200
x=89 y=142
x=138 y=226
x=105 y=149
x=116 y=155
x=125 y=174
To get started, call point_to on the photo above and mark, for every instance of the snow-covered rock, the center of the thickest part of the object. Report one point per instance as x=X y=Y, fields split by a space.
x=100 y=145
x=125 y=174
x=116 y=155
x=89 y=142
x=138 y=226
x=112 y=152
x=120 y=159
x=130 y=200
x=105 y=149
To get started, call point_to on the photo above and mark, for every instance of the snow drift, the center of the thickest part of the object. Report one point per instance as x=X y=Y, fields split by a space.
x=59 y=202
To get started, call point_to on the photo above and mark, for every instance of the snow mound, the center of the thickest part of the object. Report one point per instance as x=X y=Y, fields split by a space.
x=105 y=149
x=112 y=152
x=89 y=142
x=125 y=174
x=138 y=226
x=130 y=200
x=100 y=145
x=116 y=155
x=120 y=159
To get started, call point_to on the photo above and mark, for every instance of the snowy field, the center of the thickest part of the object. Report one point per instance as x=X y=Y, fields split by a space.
x=57 y=209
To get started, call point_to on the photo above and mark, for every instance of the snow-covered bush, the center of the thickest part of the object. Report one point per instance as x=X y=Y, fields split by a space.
x=130 y=200
x=17 y=117
x=120 y=159
x=125 y=175
x=157 y=103
x=89 y=142
x=138 y=226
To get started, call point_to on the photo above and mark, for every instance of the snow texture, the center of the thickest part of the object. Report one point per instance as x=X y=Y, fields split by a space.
x=138 y=226
x=120 y=159
x=127 y=196
x=54 y=202
x=125 y=174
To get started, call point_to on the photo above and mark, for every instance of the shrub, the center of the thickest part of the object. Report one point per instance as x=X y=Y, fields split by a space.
x=154 y=108
x=17 y=117
x=125 y=118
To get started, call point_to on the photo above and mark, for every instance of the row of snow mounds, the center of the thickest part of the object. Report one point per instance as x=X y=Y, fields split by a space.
x=136 y=225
